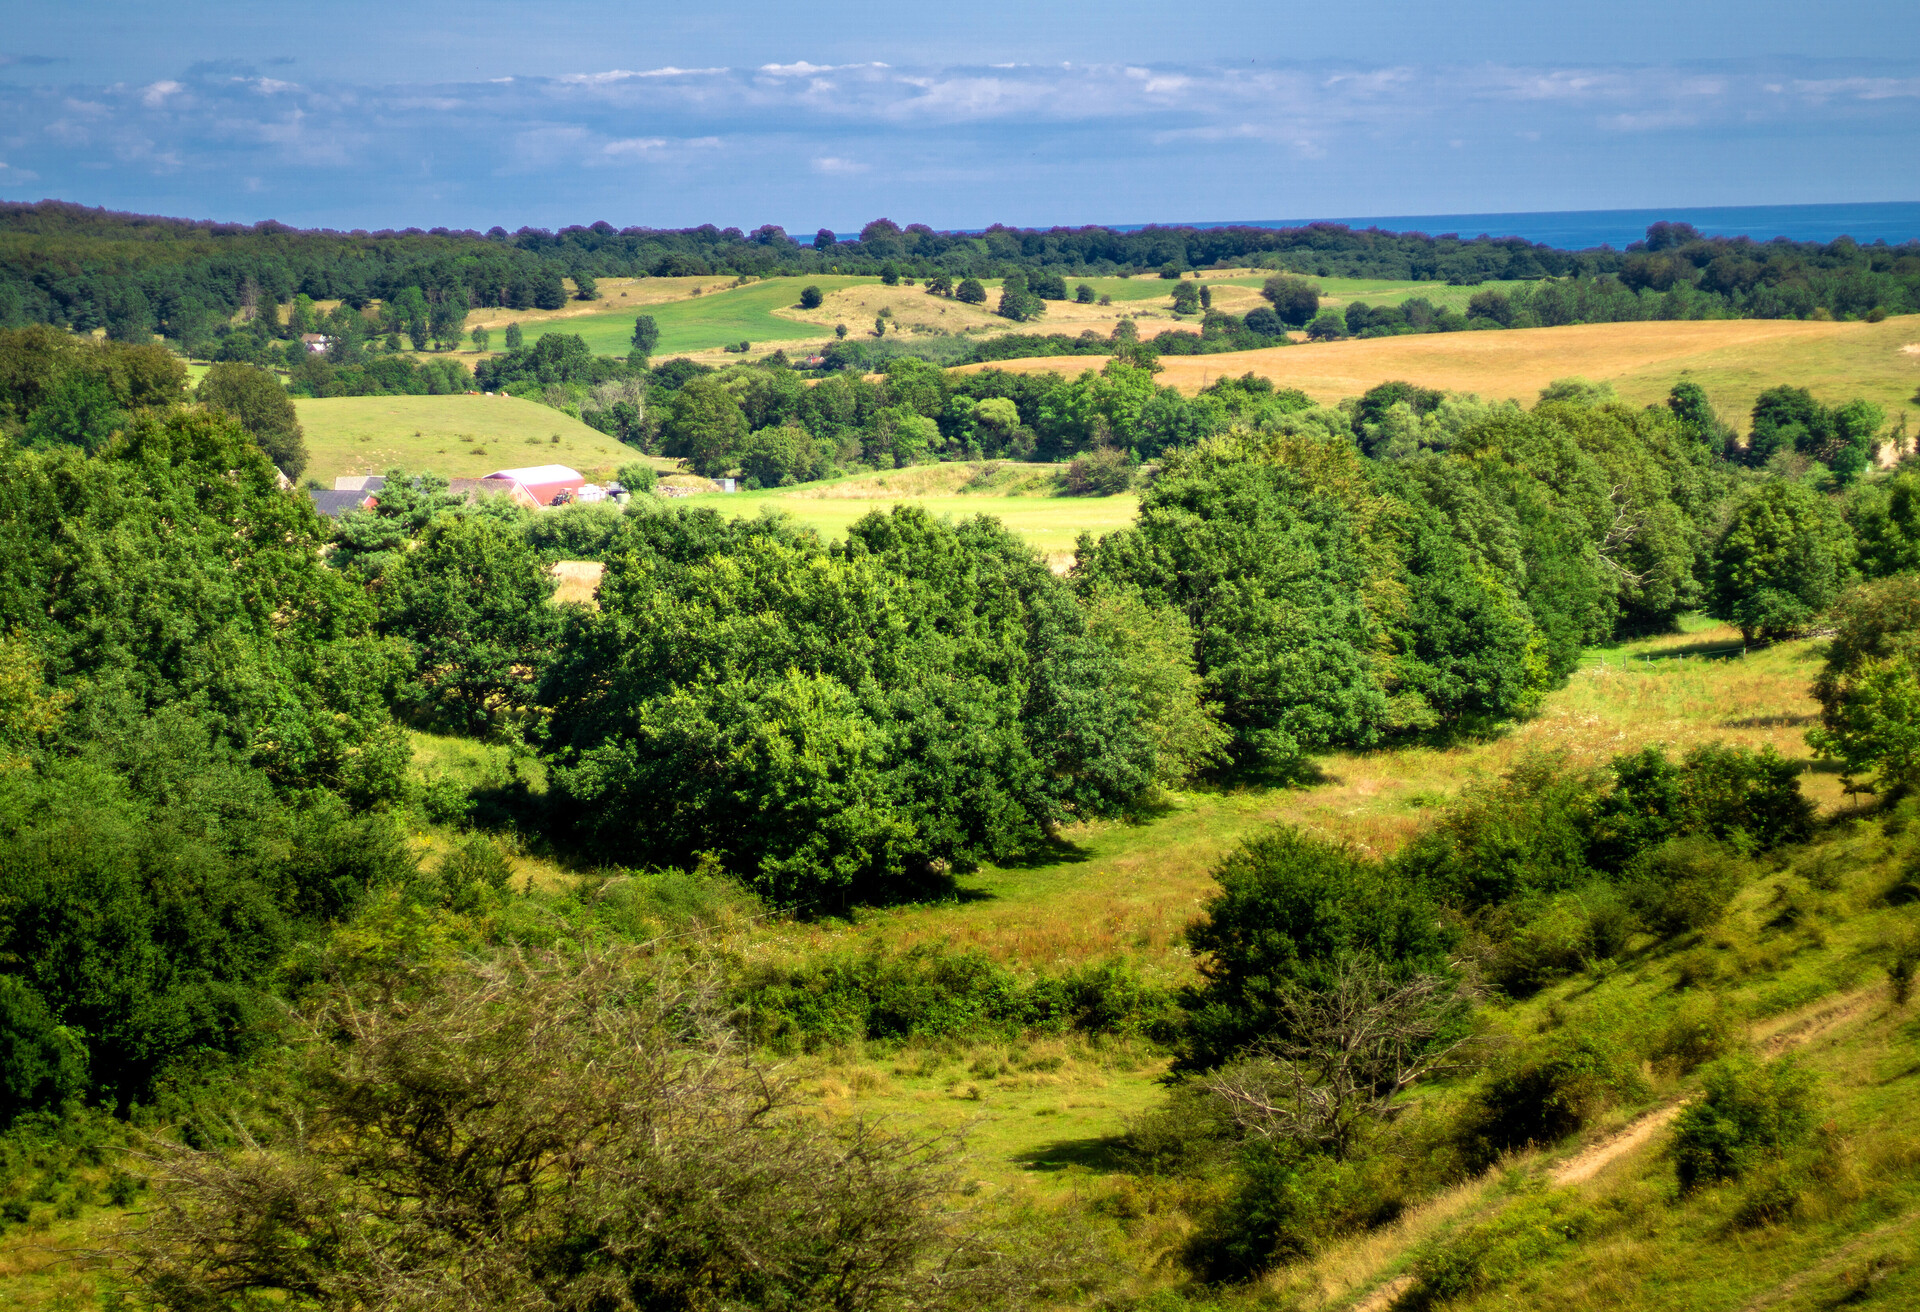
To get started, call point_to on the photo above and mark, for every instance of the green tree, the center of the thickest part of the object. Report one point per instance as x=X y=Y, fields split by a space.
x=971 y=292
x=514 y=337
x=1083 y=294
x=480 y=338
x=1293 y=298
x=1327 y=326
x=811 y=297
x=1186 y=298
x=828 y=725
x=778 y=455
x=447 y=317
x=1270 y=545
x=1786 y=419
x=1886 y=523
x=705 y=426
x=256 y=399
x=79 y=410
x=1697 y=419
x=1153 y=646
x=1854 y=440
x=638 y=478
x=1291 y=910
x=585 y=287
x=472 y=600
x=1780 y=562
x=1017 y=302
x=409 y=313
x=1869 y=687
x=646 y=334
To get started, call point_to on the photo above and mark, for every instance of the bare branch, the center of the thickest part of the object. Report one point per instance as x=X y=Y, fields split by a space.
x=1342 y=1055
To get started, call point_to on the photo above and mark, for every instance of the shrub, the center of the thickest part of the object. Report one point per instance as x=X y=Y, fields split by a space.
x=1284 y=1206
x=1101 y=472
x=810 y=297
x=1561 y=936
x=1543 y=1096
x=1698 y=1033
x=1495 y=1252
x=1751 y=1112
x=469 y=873
x=638 y=478
x=1749 y=800
x=1291 y=908
x=1684 y=884
x=1527 y=834
x=689 y=1180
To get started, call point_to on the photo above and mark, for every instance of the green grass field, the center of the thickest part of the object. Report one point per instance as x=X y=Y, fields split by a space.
x=1022 y=498
x=459 y=436
x=701 y=323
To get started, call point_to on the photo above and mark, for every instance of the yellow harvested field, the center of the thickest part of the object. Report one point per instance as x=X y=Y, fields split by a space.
x=1733 y=359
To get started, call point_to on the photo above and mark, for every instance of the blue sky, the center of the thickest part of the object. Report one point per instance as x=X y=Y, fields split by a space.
x=355 y=114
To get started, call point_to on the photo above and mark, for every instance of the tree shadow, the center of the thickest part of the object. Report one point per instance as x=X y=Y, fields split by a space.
x=1052 y=850
x=1770 y=722
x=1706 y=651
x=1104 y=1153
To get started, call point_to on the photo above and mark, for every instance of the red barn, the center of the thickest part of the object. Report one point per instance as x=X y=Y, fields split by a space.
x=543 y=482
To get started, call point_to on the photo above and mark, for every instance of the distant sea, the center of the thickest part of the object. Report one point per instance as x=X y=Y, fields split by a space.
x=1893 y=221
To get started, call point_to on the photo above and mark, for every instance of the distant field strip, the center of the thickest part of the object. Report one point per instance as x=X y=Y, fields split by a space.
x=702 y=323
x=1734 y=359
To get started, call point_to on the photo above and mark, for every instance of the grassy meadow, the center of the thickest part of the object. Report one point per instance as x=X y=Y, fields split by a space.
x=466 y=436
x=724 y=316
x=1733 y=359
x=1024 y=497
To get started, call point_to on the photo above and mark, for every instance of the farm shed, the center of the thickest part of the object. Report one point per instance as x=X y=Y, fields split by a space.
x=543 y=482
x=334 y=504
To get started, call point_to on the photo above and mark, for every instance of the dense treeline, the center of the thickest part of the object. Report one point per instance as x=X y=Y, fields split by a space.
x=135 y=275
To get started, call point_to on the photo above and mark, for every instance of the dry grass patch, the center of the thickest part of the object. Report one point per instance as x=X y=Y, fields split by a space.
x=1733 y=359
x=579 y=581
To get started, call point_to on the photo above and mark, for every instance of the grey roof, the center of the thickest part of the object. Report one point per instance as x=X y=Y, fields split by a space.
x=335 y=504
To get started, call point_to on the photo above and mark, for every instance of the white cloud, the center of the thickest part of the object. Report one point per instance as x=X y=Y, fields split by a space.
x=834 y=166
x=156 y=94
x=633 y=146
x=627 y=75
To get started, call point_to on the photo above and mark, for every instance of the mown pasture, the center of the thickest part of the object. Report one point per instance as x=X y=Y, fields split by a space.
x=465 y=436
x=1733 y=359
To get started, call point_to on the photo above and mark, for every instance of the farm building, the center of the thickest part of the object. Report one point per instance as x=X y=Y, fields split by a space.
x=543 y=482
x=363 y=490
x=336 y=503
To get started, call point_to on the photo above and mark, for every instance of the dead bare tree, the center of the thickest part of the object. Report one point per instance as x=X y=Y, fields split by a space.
x=1344 y=1053
x=1628 y=522
x=536 y=1135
